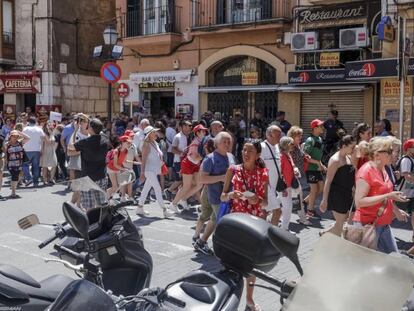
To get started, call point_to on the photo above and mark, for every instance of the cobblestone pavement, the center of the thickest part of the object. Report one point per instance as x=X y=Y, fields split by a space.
x=168 y=241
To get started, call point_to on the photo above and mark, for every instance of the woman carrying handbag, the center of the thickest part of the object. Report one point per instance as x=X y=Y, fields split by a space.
x=374 y=198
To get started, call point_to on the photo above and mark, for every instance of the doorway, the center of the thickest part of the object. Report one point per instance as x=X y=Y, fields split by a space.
x=30 y=101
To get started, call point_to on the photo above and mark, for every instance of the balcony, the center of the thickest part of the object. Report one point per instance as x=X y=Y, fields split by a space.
x=223 y=13
x=155 y=29
x=8 y=46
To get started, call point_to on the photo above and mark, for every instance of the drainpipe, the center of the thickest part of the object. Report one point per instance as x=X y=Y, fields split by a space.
x=34 y=33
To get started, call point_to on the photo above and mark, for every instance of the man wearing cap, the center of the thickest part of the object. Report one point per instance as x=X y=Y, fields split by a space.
x=93 y=152
x=406 y=184
x=313 y=147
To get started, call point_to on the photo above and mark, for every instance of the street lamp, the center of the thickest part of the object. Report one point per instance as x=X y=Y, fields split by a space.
x=110 y=36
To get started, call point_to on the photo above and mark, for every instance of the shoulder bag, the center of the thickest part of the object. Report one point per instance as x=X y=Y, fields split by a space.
x=281 y=184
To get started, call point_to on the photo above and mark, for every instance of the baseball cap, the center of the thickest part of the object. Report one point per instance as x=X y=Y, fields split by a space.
x=408 y=144
x=129 y=133
x=315 y=123
x=199 y=127
x=125 y=138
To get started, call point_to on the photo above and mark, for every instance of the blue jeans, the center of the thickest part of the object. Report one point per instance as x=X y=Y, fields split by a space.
x=386 y=240
x=34 y=159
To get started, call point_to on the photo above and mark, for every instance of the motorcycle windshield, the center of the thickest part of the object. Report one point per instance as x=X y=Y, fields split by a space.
x=343 y=276
x=87 y=184
x=82 y=295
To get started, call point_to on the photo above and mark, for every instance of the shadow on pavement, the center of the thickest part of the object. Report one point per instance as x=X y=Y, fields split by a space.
x=146 y=221
x=208 y=263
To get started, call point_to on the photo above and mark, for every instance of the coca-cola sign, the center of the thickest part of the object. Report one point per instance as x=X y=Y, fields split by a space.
x=317 y=76
x=375 y=68
x=327 y=14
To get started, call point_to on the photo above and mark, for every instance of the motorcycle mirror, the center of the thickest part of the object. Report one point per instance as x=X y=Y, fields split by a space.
x=77 y=219
x=287 y=244
x=28 y=221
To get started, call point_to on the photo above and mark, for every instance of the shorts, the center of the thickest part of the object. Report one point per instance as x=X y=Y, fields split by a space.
x=170 y=159
x=15 y=173
x=176 y=172
x=94 y=198
x=121 y=177
x=208 y=211
x=313 y=177
x=188 y=167
x=273 y=202
x=407 y=206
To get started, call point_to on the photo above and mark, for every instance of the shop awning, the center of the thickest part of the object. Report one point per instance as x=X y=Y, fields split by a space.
x=332 y=88
x=250 y=88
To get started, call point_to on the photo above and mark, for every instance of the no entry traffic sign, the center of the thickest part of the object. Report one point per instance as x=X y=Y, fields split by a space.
x=111 y=72
x=123 y=90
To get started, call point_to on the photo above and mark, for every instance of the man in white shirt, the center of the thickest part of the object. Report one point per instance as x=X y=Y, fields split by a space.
x=33 y=149
x=170 y=133
x=179 y=145
x=271 y=156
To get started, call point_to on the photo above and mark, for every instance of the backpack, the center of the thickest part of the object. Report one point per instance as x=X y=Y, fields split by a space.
x=400 y=182
x=110 y=156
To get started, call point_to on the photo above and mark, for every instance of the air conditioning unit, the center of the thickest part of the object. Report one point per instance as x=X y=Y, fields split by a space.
x=303 y=41
x=353 y=38
x=376 y=45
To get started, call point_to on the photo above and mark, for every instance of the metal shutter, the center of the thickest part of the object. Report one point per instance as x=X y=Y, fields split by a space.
x=317 y=104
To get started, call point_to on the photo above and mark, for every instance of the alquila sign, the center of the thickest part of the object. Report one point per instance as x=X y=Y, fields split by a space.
x=327 y=15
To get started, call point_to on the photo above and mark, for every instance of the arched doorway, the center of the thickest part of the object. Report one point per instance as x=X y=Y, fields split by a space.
x=242 y=84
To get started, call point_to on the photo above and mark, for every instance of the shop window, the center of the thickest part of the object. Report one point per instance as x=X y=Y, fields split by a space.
x=230 y=72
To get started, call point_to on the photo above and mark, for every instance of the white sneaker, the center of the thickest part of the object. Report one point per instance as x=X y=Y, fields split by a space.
x=174 y=208
x=140 y=211
x=184 y=204
x=302 y=218
x=167 y=213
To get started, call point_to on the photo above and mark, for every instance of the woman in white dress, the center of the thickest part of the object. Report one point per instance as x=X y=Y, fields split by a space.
x=48 y=159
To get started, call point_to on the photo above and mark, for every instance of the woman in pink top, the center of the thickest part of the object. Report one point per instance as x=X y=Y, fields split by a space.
x=190 y=165
x=374 y=190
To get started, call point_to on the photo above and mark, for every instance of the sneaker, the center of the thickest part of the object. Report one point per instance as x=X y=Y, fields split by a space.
x=140 y=211
x=195 y=238
x=167 y=213
x=312 y=214
x=167 y=194
x=302 y=218
x=28 y=183
x=184 y=205
x=153 y=198
x=202 y=247
x=174 y=208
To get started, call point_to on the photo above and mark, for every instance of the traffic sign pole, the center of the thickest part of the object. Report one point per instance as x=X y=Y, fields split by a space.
x=111 y=73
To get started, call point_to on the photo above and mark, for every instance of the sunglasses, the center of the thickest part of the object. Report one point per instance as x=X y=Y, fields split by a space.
x=389 y=151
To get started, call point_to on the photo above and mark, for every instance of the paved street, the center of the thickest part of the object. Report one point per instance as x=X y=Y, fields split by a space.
x=168 y=241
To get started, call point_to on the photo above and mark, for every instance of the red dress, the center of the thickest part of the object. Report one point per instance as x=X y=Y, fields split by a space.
x=249 y=180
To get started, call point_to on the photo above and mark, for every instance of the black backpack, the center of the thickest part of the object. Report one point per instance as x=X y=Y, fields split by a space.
x=400 y=182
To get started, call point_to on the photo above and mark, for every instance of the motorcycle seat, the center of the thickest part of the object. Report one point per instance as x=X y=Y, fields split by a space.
x=47 y=289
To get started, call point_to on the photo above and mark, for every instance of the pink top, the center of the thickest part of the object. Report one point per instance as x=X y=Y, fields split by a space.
x=286 y=165
x=379 y=183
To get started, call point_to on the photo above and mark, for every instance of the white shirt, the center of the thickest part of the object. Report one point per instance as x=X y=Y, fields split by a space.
x=179 y=141
x=169 y=135
x=132 y=153
x=242 y=124
x=406 y=167
x=36 y=135
x=138 y=140
x=270 y=163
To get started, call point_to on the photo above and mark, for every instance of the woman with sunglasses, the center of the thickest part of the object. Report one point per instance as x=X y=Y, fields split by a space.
x=374 y=194
x=249 y=195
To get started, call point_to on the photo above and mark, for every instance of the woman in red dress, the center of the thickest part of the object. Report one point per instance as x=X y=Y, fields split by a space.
x=249 y=195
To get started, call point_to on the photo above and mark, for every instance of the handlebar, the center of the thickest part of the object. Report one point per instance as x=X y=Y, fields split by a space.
x=70 y=253
x=48 y=241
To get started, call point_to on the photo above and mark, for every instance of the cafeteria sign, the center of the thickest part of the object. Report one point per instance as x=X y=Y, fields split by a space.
x=20 y=82
x=329 y=59
x=249 y=78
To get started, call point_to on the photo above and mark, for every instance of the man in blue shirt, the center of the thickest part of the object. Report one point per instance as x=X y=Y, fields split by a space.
x=67 y=133
x=212 y=173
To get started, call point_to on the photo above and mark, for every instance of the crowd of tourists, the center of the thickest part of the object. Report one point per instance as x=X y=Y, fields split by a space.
x=258 y=168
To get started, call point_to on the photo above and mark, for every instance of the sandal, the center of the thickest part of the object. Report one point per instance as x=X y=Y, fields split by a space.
x=254 y=307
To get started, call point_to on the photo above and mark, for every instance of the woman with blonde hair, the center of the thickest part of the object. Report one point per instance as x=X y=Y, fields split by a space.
x=375 y=196
x=300 y=159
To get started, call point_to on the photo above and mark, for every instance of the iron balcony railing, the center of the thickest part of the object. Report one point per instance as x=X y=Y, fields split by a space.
x=209 y=13
x=150 y=21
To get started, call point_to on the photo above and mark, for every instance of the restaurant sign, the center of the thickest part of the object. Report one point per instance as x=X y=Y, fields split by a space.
x=375 y=68
x=307 y=77
x=332 y=14
x=20 y=82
